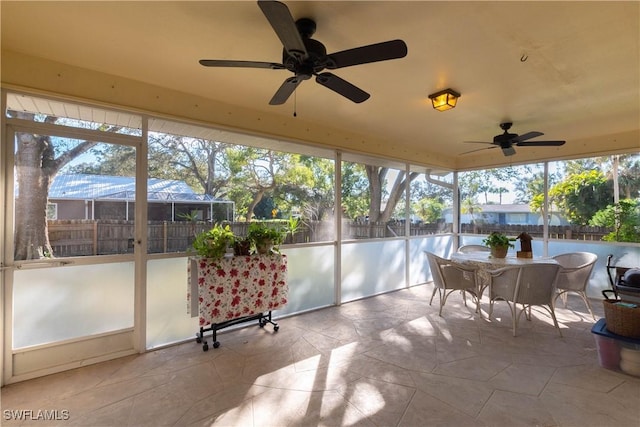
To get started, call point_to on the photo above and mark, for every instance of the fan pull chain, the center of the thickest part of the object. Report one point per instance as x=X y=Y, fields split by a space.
x=295 y=103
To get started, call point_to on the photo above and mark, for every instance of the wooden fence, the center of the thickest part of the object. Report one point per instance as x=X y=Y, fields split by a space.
x=569 y=232
x=104 y=237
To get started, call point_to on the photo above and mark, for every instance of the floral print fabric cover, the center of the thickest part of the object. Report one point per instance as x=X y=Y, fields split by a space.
x=230 y=288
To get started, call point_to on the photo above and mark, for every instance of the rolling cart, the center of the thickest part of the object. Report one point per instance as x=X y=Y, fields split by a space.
x=235 y=290
x=262 y=318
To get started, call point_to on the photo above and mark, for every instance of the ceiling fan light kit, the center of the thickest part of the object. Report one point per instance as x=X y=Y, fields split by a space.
x=306 y=57
x=444 y=100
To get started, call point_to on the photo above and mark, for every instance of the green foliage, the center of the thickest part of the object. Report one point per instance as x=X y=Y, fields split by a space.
x=579 y=196
x=355 y=190
x=474 y=183
x=430 y=210
x=292 y=225
x=190 y=217
x=623 y=217
x=471 y=207
x=260 y=234
x=214 y=243
x=496 y=239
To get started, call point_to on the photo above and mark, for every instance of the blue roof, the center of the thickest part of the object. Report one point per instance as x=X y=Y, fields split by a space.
x=91 y=187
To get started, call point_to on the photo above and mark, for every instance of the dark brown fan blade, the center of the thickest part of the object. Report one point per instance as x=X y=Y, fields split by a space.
x=284 y=92
x=283 y=24
x=245 y=64
x=541 y=143
x=478 y=142
x=526 y=136
x=342 y=87
x=477 y=149
x=365 y=54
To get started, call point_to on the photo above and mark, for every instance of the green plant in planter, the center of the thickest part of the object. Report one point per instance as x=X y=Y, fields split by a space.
x=499 y=244
x=265 y=238
x=214 y=243
x=292 y=227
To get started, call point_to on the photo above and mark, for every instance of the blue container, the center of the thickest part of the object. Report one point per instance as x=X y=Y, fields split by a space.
x=615 y=351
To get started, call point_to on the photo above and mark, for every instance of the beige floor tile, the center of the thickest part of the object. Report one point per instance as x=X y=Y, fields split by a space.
x=467 y=396
x=525 y=379
x=382 y=402
x=574 y=406
x=512 y=409
x=425 y=410
x=389 y=360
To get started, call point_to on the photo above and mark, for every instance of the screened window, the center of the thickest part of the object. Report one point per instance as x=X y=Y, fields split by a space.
x=234 y=179
x=431 y=203
x=502 y=199
x=598 y=198
x=373 y=198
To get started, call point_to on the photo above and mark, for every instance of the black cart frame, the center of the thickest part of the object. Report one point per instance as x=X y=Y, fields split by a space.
x=262 y=318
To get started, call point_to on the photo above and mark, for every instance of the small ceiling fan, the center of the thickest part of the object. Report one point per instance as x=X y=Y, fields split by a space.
x=507 y=140
x=306 y=57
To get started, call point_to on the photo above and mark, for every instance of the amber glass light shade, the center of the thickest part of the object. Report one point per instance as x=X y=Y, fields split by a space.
x=444 y=100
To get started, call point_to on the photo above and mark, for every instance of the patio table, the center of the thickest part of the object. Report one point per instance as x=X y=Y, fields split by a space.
x=486 y=263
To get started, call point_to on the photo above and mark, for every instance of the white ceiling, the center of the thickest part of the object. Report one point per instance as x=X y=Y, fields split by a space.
x=580 y=79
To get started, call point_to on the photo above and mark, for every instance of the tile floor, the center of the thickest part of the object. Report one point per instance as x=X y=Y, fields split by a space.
x=383 y=361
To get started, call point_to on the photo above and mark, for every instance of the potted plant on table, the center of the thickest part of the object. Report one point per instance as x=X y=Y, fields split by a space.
x=499 y=244
x=214 y=243
x=265 y=238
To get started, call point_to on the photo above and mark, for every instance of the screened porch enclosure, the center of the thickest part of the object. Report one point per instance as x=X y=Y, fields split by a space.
x=116 y=268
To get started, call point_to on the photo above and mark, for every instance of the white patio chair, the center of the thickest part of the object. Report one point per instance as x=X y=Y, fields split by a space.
x=449 y=276
x=527 y=285
x=465 y=249
x=574 y=275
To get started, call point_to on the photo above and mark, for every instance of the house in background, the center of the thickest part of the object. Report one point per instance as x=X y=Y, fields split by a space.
x=514 y=214
x=95 y=197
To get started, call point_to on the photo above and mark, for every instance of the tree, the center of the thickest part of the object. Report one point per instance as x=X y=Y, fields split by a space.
x=257 y=172
x=203 y=164
x=629 y=176
x=471 y=207
x=433 y=195
x=623 y=217
x=499 y=191
x=429 y=209
x=486 y=181
x=38 y=159
x=354 y=190
x=377 y=179
x=307 y=188
x=580 y=195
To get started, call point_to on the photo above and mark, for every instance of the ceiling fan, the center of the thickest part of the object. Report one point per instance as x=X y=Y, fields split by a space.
x=306 y=57
x=507 y=140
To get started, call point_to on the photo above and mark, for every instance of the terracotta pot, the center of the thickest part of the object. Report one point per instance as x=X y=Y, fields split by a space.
x=499 y=251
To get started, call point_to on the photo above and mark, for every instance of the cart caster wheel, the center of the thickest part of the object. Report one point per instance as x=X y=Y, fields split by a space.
x=275 y=328
x=198 y=339
x=216 y=344
x=261 y=323
x=205 y=347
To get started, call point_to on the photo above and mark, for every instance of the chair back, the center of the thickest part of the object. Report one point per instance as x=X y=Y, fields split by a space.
x=576 y=270
x=434 y=265
x=504 y=282
x=450 y=275
x=465 y=249
x=537 y=284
